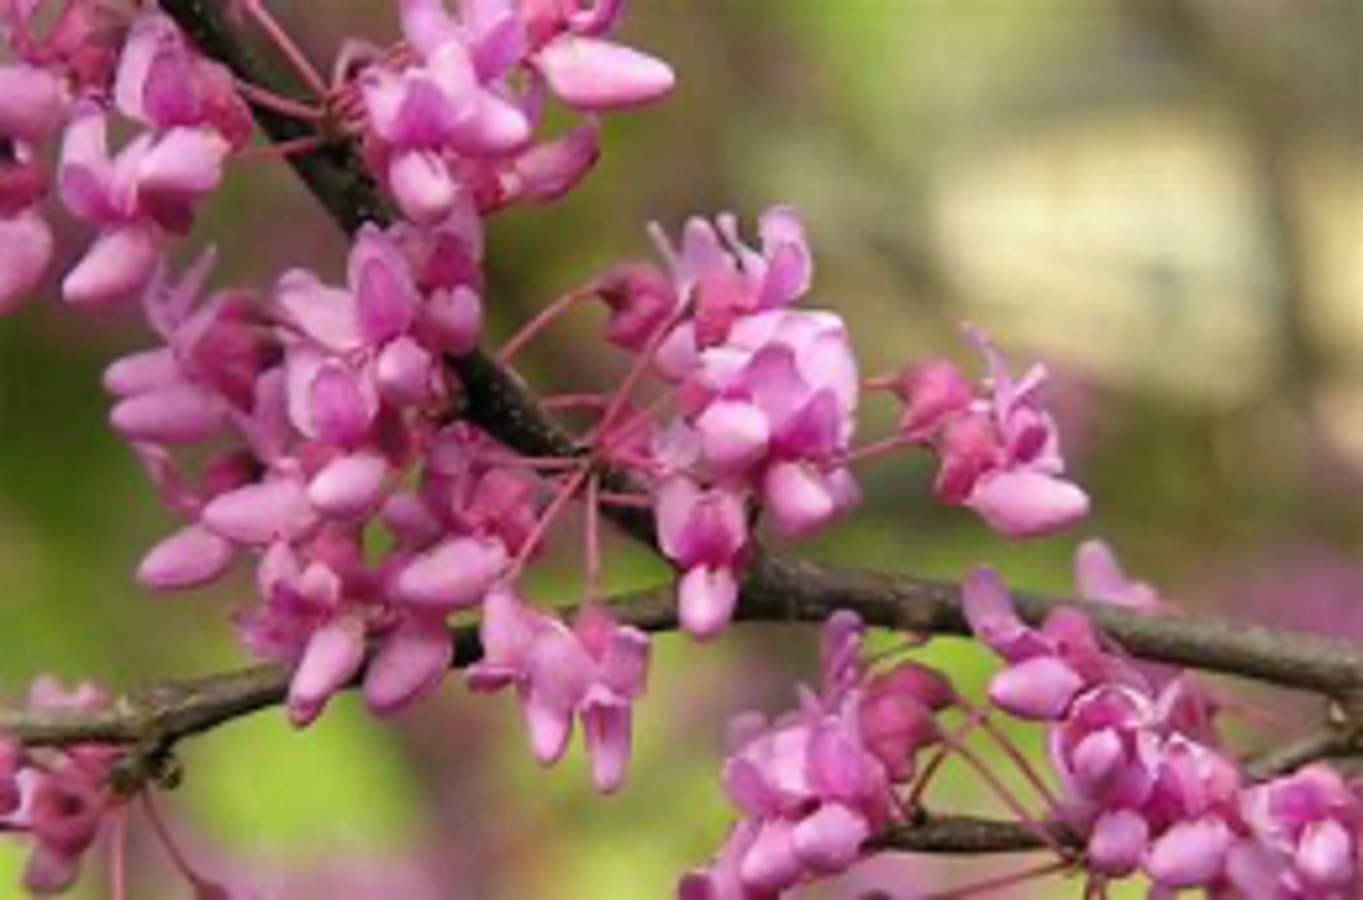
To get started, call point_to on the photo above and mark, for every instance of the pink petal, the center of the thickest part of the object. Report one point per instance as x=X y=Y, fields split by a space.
x=456 y=318
x=140 y=372
x=830 y=839
x=31 y=104
x=332 y=657
x=115 y=268
x=1117 y=843
x=1039 y=688
x=191 y=557
x=259 y=514
x=592 y=74
x=1190 y=854
x=349 y=486
x=25 y=251
x=734 y=435
x=798 y=498
x=422 y=186
x=326 y=315
x=771 y=863
x=410 y=663
x=181 y=413
x=1025 y=503
x=455 y=574
x=183 y=164
x=707 y=598
x=1326 y=854
x=606 y=728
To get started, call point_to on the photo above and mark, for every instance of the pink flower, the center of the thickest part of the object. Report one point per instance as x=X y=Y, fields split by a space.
x=592 y=671
x=147 y=191
x=999 y=451
x=702 y=531
x=816 y=784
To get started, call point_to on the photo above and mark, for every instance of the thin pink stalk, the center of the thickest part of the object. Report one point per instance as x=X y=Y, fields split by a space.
x=637 y=501
x=177 y=856
x=1004 y=794
x=880 y=382
x=574 y=401
x=286 y=46
x=281 y=104
x=592 y=529
x=939 y=757
x=1011 y=750
x=279 y=150
x=565 y=494
x=999 y=882
x=118 y=855
x=542 y=320
x=876 y=448
x=537 y=463
x=636 y=371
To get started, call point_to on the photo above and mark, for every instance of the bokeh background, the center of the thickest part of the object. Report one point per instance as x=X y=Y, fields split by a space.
x=1163 y=199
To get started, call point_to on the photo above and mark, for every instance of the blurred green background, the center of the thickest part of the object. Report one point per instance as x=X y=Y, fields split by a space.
x=1163 y=199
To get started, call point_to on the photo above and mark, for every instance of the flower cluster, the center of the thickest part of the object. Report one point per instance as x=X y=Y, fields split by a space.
x=58 y=798
x=1144 y=779
x=815 y=784
x=999 y=450
x=452 y=121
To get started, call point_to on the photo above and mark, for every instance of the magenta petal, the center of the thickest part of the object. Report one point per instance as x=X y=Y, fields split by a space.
x=333 y=656
x=547 y=171
x=456 y=318
x=1190 y=854
x=798 y=497
x=25 y=251
x=349 y=485
x=453 y=575
x=734 y=435
x=707 y=598
x=1326 y=854
x=404 y=372
x=180 y=413
x=116 y=266
x=1025 y=502
x=830 y=839
x=259 y=514
x=422 y=185
x=188 y=558
x=1117 y=843
x=606 y=728
x=50 y=871
x=183 y=164
x=31 y=105
x=410 y=663
x=550 y=725
x=1039 y=688
x=327 y=315
x=342 y=410
x=592 y=74
x=138 y=373
x=771 y=863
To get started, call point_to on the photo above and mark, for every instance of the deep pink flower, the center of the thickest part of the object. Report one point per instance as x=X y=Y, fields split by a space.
x=593 y=670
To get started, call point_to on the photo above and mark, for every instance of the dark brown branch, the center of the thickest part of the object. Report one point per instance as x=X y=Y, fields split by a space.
x=968 y=835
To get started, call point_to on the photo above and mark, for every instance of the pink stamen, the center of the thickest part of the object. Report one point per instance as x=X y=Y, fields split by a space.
x=286 y=46
x=542 y=320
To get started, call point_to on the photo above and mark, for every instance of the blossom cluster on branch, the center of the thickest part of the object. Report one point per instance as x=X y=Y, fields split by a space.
x=297 y=427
